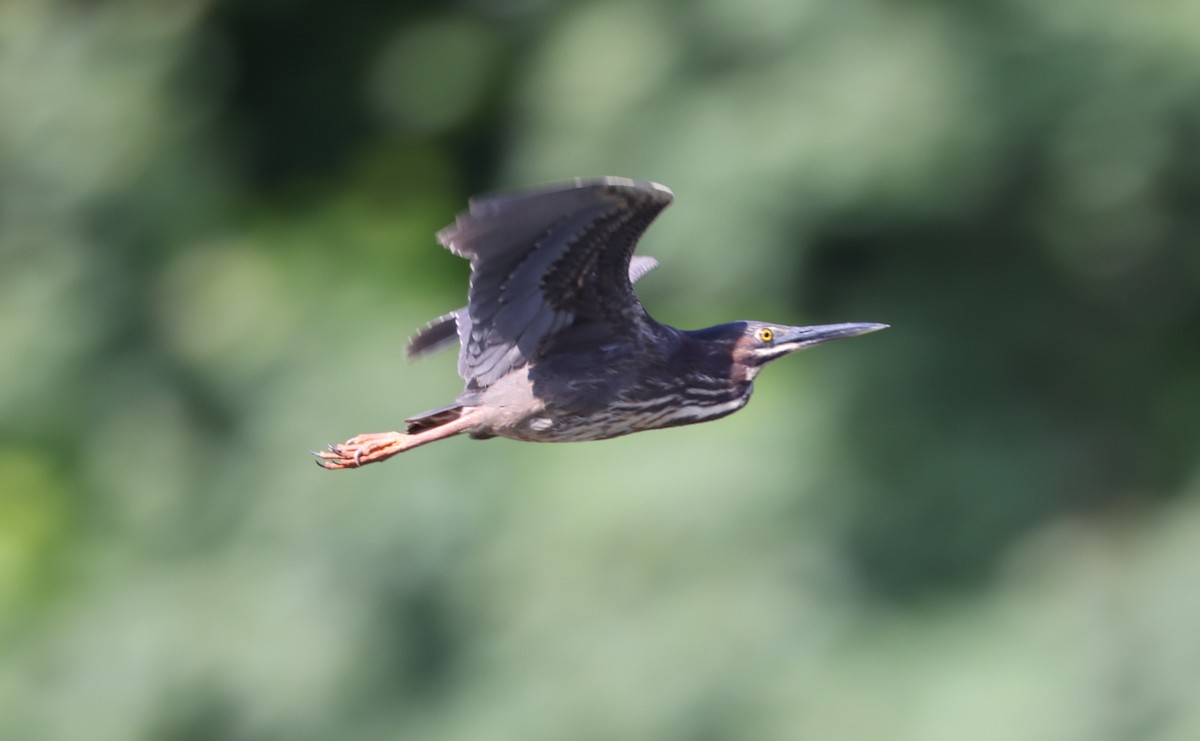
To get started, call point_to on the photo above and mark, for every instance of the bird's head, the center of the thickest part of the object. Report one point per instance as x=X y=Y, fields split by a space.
x=759 y=343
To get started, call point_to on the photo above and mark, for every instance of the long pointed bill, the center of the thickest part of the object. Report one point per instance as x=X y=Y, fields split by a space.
x=798 y=338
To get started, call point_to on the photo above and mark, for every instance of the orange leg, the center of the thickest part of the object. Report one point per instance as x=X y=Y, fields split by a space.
x=374 y=447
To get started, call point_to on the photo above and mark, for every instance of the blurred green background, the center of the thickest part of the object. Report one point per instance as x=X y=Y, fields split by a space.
x=216 y=232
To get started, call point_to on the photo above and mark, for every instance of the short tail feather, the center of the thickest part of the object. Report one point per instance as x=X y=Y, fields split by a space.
x=433 y=418
x=441 y=332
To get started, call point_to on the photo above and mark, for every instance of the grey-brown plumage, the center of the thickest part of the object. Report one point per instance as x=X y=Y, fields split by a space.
x=555 y=345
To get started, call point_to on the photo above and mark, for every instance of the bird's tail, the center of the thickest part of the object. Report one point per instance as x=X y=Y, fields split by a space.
x=441 y=332
x=433 y=418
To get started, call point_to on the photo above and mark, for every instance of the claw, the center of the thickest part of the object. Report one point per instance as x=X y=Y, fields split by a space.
x=336 y=458
x=329 y=460
x=360 y=450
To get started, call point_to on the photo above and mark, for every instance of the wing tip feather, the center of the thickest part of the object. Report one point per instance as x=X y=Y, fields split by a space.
x=643 y=190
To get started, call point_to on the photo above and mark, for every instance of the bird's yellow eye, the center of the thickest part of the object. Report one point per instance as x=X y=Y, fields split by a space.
x=766 y=334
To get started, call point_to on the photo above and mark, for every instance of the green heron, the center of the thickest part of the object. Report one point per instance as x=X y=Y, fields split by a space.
x=555 y=345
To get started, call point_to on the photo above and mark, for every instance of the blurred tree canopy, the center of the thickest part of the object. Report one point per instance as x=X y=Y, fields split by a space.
x=216 y=231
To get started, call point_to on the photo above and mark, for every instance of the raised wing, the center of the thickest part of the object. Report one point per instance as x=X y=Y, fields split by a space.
x=443 y=331
x=544 y=260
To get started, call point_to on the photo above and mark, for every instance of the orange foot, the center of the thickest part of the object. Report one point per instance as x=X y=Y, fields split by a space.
x=361 y=450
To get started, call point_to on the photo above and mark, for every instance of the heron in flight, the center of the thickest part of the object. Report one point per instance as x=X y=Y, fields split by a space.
x=554 y=344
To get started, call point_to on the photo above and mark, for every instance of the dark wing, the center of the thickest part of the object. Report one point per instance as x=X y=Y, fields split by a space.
x=443 y=331
x=544 y=260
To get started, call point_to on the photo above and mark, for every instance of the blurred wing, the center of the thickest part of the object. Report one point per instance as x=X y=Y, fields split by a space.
x=544 y=260
x=443 y=331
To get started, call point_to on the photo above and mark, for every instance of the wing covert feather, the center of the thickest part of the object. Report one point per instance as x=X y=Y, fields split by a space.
x=541 y=261
x=441 y=332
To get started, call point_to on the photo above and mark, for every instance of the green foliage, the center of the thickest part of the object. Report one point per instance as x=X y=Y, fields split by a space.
x=216 y=231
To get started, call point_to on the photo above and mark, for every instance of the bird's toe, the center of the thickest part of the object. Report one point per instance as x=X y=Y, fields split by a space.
x=359 y=451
